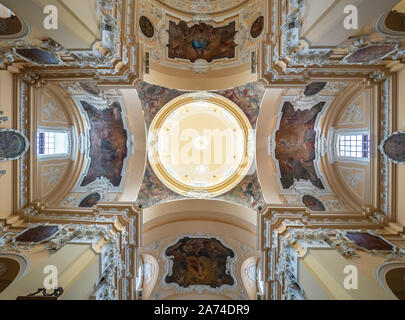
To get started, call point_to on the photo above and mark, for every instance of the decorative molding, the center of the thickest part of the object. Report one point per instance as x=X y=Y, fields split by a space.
x=251 y=274
x=355 y=112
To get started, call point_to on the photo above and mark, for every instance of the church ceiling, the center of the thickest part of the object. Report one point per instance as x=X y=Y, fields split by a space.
x=201 y=44
x=153 y=98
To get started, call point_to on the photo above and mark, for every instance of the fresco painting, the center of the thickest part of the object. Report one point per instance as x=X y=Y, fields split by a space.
x=146 y=27
x=394 y=147
x=369 y=241
x=201 y=41
x=108 y=144
x=37 y=56
x=257 y=27
x=90 y=200
x=370 y=54
x=295 y=145
x=37 y=234
x=313 y=88
x=199 y=261
x=313 y=203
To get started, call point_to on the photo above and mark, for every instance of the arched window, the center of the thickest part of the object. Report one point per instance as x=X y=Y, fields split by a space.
x=351 y=145
x=354 y=146
x=53 y=143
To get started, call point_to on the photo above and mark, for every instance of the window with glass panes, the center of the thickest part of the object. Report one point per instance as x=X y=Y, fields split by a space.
x=46 y=143
x=354 y=146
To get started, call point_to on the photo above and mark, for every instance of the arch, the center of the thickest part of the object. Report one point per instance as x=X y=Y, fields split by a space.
x=13 y=267
x=12 y=26
x=391 y=276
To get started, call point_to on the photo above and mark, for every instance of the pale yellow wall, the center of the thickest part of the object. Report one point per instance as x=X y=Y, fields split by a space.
x=73 y=32
x=310 y=283
x=189 y=80
x=327 y=266
x=7 y=181
x=73 y=262
x=84 y=282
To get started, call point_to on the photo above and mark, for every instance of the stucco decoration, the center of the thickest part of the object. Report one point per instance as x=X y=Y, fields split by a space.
x=202 y=6
x=393 y=147
x=51 y=112
x=200 y=263
x=13 y=144
x=355 y=113
x=51 y=175
x=199 y=42
x=354 y=179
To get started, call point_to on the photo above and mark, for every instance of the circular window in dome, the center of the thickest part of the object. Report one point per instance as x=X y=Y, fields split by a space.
x=200 y=145
x=11 y=27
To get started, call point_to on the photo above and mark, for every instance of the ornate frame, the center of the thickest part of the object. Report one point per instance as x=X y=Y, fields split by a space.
x=54 y=54
x=27 y=144
x=13 y=240
x=320 y=140
x=381 y=147
x=85 y=140
x=359 y=45
x=199 y=288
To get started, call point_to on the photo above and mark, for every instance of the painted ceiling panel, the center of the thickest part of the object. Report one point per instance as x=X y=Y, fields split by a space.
x=295 y=145
x=108 y=144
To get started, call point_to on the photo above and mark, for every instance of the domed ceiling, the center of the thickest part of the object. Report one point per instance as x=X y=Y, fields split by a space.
x=200 y=143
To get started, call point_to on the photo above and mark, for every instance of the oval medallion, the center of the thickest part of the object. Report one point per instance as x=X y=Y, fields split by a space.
x=12 y=144
x=146 y=27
